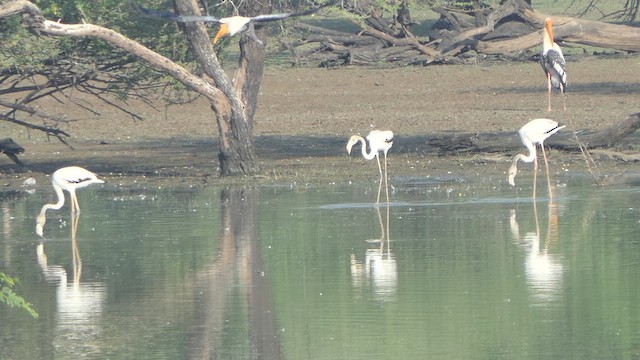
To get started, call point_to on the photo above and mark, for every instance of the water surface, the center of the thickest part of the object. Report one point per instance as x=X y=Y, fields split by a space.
x=446 y=270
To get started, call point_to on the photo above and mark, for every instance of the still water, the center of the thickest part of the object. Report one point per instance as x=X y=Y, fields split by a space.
x=447 y=270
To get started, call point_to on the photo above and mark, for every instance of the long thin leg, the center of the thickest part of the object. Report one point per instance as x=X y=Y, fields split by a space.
x=75 y=207
x=564 y=104
x=535 y=175
x=380 y=184
x=546 y=164
x=77 y=261
x=549 y=88
x=386 y=184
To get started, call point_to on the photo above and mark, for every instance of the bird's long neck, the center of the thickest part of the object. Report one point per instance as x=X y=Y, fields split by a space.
x=42 y=217
x=532 y=153
x=547 y=39
x=369 y=156
x=57 y=205
x=513 y=170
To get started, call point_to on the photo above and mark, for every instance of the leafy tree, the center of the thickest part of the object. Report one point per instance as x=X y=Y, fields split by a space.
x=9 y=297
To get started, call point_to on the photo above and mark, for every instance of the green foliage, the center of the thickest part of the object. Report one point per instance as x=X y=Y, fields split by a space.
x=12 y=299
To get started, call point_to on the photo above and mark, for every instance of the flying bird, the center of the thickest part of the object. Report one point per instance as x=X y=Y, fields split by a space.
x=553 y=63
x=68 y=179
x=534 y=133
x=378 y=141
x=229 y=26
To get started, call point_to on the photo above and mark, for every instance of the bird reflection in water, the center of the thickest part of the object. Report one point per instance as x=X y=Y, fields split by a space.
x=79 y=304
x=543 y=270
x=379 y=271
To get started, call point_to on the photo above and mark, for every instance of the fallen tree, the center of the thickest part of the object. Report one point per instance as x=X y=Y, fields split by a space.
x=568 y=139
x=508 y=29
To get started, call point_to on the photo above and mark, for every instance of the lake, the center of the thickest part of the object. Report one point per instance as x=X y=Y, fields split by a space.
x=448 y=269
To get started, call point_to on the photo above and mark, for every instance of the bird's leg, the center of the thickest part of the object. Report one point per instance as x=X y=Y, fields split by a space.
x=380 y=183
x=386 y=184
x=75 y=207
x=564 y=104
x=546 y=164
x=535 y=176
x=549 y=88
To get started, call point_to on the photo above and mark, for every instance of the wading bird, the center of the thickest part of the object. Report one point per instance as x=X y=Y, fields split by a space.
x=534 y=133
x=68 y=179
x=378 y=141
x=553 y=63
x=229 y=26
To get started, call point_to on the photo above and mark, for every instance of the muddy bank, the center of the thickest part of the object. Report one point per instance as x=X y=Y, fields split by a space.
x=305 y=116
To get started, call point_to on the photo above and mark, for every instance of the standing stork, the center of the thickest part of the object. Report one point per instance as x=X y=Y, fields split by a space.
x=229 y=26
x=533 y=133
x=378 y=141
x=553 y=63
x=69 y=179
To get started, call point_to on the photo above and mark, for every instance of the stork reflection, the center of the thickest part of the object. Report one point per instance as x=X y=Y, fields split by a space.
x=379 y=271
x=543 y=269
x=79 y=305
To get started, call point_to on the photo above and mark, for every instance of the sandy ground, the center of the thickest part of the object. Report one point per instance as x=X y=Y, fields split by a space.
x=305 y=116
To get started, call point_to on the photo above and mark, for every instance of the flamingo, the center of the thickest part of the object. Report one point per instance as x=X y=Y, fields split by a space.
x=553 y=63
x=533 y=133
x=229 y=26
x=68 y=179
x=378 y=141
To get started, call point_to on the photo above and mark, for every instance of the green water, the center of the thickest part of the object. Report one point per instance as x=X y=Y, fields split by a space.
x=446 y=270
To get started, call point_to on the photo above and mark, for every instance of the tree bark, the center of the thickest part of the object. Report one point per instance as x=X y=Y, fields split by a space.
x=233 y=103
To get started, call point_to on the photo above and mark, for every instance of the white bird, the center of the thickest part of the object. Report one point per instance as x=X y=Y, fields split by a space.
x=68 y=179
x=378 y=141
x=229 y=26
x=534 y=133
x=553 y=63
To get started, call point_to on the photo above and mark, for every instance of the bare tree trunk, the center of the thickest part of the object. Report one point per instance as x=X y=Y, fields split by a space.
x=233 y=103
x=234 y=111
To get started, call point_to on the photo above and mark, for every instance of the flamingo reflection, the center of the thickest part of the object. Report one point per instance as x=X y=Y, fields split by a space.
x=79 y=304
x=543 y=270
x=380 y=270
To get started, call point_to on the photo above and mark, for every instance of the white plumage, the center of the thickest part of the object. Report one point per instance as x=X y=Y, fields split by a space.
x=68 y=179
x=379 y=140
x=534 y=133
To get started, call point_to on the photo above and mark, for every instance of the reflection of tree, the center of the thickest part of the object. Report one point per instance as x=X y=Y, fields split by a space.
x=239 y=260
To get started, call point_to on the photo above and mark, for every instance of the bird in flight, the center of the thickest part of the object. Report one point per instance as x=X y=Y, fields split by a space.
x=378 y=141
x=553 y=63
x=229 y=26
x=534 y=133
x=68 y=179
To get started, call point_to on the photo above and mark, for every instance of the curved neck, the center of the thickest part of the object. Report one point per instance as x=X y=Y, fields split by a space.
x=371 y=154
x=532 y=153
x=57 y=205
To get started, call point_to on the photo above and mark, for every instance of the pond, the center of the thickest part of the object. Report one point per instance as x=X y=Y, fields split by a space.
x=448 y=269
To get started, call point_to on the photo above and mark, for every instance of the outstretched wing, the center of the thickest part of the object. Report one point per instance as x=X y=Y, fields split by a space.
x=171 y=16
x=275 y=17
